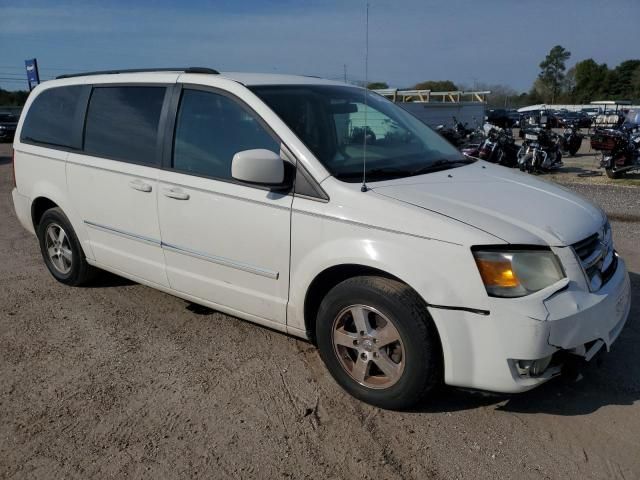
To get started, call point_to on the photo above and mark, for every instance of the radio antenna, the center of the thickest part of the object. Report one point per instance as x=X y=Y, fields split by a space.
x=363 y=188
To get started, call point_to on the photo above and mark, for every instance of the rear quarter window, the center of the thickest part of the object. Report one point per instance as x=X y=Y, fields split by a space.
x=53 y=117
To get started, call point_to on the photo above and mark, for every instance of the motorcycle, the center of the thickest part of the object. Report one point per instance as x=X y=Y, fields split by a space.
x=449 y=134
x=498 y=147
x=540 y=151
x=460 y=134
x=620 y=150
x=571 y=140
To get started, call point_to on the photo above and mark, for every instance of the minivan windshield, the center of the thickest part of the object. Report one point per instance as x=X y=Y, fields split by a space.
x=333 y=123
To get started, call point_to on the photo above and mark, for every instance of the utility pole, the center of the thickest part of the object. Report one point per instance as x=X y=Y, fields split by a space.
x=345 y=72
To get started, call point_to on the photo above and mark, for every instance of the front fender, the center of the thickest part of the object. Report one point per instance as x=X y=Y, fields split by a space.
x=442 y=273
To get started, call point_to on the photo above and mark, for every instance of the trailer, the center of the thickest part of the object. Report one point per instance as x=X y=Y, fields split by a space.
x=440 y=108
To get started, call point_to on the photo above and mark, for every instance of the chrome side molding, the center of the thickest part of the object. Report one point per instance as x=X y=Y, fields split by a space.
x=227 y=262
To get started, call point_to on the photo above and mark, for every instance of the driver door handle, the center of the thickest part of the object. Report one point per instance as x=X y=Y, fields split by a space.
x=175 y=193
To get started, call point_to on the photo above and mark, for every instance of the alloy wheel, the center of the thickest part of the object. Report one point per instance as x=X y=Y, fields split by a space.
x=58 y=248
x=368 y=346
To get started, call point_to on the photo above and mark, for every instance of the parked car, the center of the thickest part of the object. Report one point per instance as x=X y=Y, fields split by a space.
x=553 y=119
x=591 y=112
x=501 y=117
x=577 y=119
x=245 y=193
x=514 y=118
x=8 y=123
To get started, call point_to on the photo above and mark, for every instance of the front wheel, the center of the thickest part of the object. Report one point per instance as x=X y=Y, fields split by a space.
x=378 y=341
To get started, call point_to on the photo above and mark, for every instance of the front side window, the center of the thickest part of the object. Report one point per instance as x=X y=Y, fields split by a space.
x=51 y=117
x=335 y=125
x=210 y=130
x=122 y=123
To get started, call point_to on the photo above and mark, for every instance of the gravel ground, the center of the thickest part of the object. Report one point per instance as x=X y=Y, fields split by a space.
x=123 y=381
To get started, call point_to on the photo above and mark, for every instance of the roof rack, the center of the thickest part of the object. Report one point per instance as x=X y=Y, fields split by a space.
x=142 y=70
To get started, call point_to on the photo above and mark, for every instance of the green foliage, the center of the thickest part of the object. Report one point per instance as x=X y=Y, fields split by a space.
x=13 y=99
x=595 y=81
x=501 y=96
x=621 y=79
x=591 y=81
x=377 y=85
x=635 y=84
x=552 y=74
x=436 y=86
x=585 y=82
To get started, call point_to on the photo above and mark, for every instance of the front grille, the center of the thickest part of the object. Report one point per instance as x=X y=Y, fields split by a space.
x=597 y=257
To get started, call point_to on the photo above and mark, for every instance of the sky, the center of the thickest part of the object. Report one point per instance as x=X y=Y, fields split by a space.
x=467 y=41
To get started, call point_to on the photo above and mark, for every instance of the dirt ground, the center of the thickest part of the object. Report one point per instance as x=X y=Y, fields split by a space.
x=123 y=381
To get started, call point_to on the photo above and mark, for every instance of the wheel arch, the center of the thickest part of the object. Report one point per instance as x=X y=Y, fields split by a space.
x=48 y=198
x=332 y=276
x=38 y=207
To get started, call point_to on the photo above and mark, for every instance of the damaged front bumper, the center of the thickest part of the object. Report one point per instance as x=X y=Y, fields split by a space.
x=525 y=342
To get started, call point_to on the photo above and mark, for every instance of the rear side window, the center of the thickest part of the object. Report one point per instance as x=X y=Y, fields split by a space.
x=211 y=129
x=53 y=117
x=122 y=123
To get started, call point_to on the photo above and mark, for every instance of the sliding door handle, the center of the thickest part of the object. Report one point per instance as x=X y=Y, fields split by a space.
x=140 y=186
x=175 y=193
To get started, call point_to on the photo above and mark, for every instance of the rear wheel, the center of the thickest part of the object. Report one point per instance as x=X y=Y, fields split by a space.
x=379 y=342
x=61 y=249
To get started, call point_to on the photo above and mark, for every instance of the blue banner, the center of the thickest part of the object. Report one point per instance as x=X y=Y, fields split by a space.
x=32 y=72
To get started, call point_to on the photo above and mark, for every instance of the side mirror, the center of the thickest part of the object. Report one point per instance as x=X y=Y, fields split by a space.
x=258 y=166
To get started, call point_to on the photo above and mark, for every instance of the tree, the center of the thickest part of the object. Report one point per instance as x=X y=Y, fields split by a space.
x=540 y=92
x=377 y=85
x=635 y=84
x=552 y=70
x=13 y=99
x=591 y=81
x=621 y=79
x=569 y=85
x=436 y=86
x=501 y=96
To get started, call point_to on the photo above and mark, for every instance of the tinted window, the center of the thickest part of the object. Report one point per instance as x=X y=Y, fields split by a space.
x=211 y=129
x=52 y=116
x=122 y=123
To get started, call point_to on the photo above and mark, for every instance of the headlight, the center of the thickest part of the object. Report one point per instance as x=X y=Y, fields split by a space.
x=516 y=273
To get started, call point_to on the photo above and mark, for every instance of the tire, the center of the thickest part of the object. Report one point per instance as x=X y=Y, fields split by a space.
x=526 y=163
x=613 y=173
x=388 y=305
x=67 y=264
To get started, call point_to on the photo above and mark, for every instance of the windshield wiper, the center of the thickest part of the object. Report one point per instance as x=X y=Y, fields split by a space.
x=377 y=173
x=394 y=172
x=440 y=165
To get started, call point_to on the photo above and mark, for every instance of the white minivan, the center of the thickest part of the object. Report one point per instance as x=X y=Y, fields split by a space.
x=325 y=211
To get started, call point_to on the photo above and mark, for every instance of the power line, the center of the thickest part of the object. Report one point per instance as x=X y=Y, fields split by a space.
x=40 y=67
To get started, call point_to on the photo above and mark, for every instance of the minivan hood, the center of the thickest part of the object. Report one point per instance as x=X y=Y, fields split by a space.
x=512 y=206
